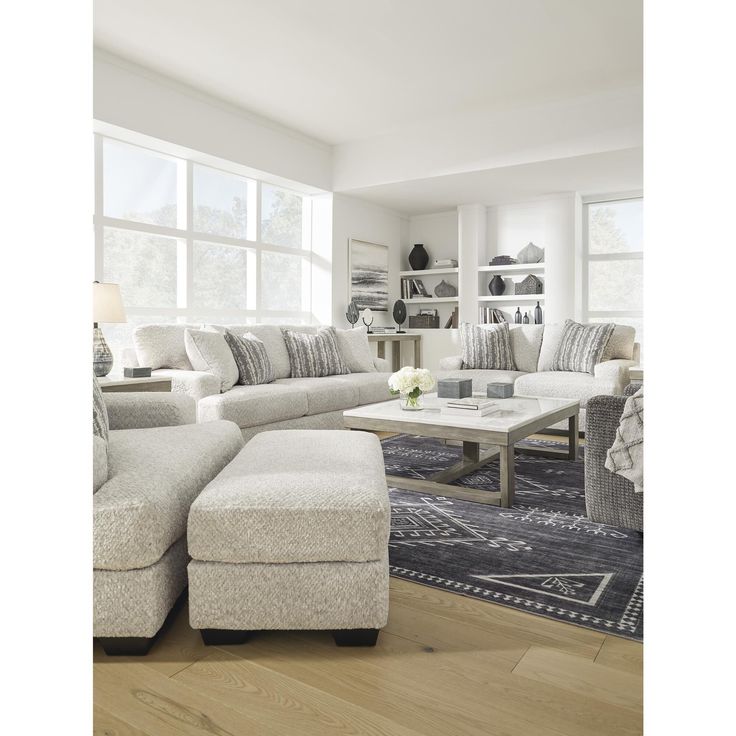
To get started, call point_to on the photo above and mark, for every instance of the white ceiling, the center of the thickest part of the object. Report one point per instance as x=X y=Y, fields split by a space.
x=598 y=173
x=342 y=70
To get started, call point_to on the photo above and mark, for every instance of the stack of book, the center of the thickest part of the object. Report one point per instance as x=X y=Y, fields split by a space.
x=412 y=288
x=445 y=263
x=381 y=330
x=471 y=407
x=490 y=316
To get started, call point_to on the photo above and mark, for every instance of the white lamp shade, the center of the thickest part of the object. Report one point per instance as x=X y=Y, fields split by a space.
x=107 y=304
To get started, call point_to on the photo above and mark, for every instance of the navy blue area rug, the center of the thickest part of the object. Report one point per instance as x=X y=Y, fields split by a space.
x=542 y=555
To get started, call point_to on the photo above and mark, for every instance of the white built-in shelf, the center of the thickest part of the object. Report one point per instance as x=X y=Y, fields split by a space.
x=428 y=272
x=431 y=300
x=513 y=298
x=514 y=268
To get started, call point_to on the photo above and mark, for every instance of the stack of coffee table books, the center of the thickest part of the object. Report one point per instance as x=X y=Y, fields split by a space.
x=471 y=406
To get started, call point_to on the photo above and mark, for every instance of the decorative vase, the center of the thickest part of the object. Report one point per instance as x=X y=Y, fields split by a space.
x=526 y=318
x=418 y=258
x=497 y=285
x=101 y=354
x=537 y=315
x=445 y=289
x=517 y=316
x=412 y=400
x=399 y=314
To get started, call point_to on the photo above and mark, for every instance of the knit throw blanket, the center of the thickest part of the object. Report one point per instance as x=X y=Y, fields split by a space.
x=626 y=456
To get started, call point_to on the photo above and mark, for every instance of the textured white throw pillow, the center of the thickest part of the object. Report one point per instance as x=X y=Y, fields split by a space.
x=162 y=346
x=208 y=351
x=356 y=350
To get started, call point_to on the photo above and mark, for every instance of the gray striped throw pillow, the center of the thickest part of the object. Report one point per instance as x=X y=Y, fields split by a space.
x=254 y=365
x=487 y=348
x=314 y=355
x=581 y=346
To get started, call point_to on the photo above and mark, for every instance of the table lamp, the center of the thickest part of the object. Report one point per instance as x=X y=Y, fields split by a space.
x=107 y=306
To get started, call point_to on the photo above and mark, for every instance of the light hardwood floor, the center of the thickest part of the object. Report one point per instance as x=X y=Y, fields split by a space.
x=445 y=665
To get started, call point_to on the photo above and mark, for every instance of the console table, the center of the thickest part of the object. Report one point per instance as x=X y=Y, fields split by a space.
x=396 y=339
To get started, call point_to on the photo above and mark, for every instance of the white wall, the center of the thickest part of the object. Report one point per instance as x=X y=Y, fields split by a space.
x=354 y=218
x=137 y=99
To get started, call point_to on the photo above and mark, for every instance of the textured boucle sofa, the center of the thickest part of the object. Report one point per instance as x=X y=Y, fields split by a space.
x=534 y=347
x=152 y=463
x=286 y=403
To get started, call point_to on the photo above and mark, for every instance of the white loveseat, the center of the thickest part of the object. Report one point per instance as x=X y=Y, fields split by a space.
x=286 y=403
x=534 y=346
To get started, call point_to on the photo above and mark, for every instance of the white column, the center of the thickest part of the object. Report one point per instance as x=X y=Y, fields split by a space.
x=562 y=234
x=471 y=232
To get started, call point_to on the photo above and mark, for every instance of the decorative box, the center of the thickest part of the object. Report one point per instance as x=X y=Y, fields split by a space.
x=136 y=372
x=423 y=321
x=455 y=388
x=530 y=285
x=500 y=390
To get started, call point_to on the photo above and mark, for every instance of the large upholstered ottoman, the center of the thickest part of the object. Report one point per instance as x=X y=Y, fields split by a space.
x=293 y=534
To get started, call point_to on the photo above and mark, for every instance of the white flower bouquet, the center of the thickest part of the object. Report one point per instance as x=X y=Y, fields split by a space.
x=411 y=383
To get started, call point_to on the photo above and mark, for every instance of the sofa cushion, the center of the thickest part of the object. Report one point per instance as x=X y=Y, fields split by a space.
x=254 y=365
x=372 y=387
x=251 y=406
x=155 y=474
x=356 y=350
x=620 y=344
x=99 y=463
x=208 y=351
x=100 y=419
x=295 y=496
x=558 y=385
x=162 y=346
x=581 y=346
x=487 y=347
x=526 y=342
x=324 y=394
x=314 y=355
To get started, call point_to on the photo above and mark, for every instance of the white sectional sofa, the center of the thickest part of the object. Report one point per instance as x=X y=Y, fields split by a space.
x=286 y=403
x=534 y=346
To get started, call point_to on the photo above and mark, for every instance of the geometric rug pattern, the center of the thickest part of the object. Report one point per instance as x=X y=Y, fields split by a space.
x=542 y=555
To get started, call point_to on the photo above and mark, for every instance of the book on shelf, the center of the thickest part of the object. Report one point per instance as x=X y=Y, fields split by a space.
x=452 y=320
x=490 y=316
x=411 y=288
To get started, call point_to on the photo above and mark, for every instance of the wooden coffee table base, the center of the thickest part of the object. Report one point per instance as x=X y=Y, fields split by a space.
x=473 y=459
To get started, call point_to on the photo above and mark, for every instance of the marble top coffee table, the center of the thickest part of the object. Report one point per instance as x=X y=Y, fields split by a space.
x=516 y=418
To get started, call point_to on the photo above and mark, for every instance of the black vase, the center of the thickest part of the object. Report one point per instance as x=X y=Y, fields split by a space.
x=526 y=318
x=497 y=285
x=517 y=316
x=418 y=258
x=399 y=314
x=537 y=315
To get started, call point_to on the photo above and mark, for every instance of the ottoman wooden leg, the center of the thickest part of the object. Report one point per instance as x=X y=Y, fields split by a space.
x=356 y=637
x=213 y=637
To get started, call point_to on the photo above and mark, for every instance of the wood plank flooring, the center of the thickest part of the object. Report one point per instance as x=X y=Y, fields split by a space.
x=445 y=665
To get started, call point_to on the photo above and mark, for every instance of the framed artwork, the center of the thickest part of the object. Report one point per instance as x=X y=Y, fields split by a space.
x=368 y=264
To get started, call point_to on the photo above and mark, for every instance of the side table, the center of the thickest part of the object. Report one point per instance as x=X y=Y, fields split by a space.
x=114 y=383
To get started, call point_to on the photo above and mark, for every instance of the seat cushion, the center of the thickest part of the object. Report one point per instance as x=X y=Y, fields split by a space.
x=481 y=378
x=249 y=406
x=324 y=394
x=372 y=387
x=154 y=475
x=295 y=496
x=559 y=385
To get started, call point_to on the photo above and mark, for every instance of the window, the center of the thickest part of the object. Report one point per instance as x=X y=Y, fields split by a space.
x=613 y=251
x=193 y=244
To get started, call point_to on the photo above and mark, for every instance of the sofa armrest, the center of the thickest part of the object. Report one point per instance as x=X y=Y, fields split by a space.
x=196 y=384
x=613 y=375
x=144 y=409
x=453 y=363
x=382 y=365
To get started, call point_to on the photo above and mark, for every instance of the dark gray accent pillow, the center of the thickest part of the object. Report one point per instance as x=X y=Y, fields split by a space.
x=581 y=346
x=314 y=355
x=100 y=420
x=487 y=348
x=254 y=365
